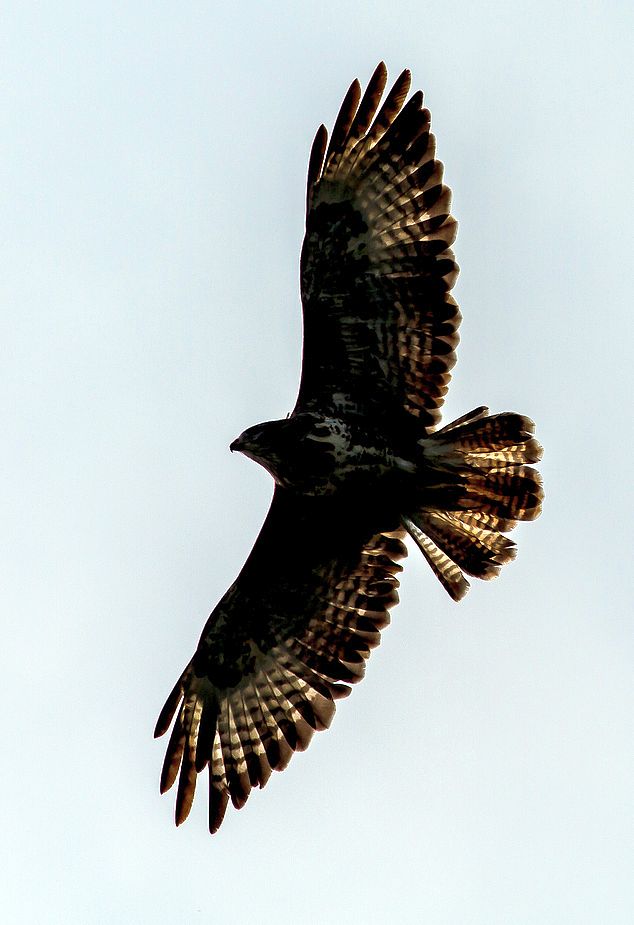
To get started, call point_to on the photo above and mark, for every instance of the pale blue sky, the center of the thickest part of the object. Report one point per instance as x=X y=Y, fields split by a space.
x=154 y=160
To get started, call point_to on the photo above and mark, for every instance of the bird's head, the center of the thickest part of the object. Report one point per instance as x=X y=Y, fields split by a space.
x=264 y=443
x=297 y=451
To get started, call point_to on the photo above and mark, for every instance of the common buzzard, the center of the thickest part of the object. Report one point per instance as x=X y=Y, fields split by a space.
x=357 y=464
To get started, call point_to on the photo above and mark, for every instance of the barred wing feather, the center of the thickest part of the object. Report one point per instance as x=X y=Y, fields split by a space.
x=380 y=327
x=283 y=644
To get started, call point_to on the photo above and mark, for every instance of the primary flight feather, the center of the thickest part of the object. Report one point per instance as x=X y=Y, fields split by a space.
x=357 y=464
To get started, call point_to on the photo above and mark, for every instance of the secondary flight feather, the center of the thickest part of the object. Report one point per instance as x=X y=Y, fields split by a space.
x=357 y=464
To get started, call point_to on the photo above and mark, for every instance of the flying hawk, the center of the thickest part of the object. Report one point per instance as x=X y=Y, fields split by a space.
x=357 y=464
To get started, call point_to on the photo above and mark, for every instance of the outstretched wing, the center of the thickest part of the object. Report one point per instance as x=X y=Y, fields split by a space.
x=283 y=643
x=380 y=328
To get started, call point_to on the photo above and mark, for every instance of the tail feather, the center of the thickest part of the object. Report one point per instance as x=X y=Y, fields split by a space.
x=478 y=552
x=475 y=486
x=511 y=493
x=448 y=573
x=485 y=440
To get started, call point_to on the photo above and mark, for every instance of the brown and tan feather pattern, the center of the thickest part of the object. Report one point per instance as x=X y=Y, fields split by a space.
x=257 y=690
x=357 y=463
x=464 y=533
x=380 y=327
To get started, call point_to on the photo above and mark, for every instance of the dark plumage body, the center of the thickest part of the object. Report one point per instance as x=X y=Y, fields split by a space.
x=357 y=464
x=313 y=454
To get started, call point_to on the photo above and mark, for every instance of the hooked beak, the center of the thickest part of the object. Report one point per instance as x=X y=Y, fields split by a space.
x=238 y=445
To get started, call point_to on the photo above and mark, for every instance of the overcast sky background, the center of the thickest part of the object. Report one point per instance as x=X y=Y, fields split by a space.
x=153 y=169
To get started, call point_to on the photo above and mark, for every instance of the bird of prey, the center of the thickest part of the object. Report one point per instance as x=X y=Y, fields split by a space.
x=358 y=463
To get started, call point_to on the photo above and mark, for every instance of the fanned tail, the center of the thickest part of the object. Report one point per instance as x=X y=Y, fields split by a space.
x=476 y=486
